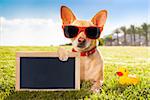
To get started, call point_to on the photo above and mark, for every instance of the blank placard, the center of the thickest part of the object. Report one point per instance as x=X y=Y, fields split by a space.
x=44 y=71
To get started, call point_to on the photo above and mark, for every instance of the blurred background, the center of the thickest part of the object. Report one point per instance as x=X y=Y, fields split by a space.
x=38 y=23
x=35 y=25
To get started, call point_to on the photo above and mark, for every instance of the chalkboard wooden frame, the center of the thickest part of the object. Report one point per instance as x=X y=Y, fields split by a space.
x=46 y=54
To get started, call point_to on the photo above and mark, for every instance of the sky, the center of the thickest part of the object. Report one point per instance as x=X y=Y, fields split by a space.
x=38 y=22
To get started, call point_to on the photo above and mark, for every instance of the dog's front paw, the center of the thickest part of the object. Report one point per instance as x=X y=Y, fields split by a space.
x=63 y=54
x=97 y=85
x=95 y=89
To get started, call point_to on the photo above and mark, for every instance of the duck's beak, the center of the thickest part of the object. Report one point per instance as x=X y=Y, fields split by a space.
x=119 y=73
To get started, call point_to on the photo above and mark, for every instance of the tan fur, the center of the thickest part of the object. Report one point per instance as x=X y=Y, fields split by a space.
x=91 y=67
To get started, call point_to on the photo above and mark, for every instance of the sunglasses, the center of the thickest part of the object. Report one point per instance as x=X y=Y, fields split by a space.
x=91 y=32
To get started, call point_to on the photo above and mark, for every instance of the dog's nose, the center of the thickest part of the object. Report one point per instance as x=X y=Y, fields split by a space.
x=81 y=40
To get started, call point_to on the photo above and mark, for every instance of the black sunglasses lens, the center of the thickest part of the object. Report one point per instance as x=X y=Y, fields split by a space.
x=93 y=32
x=70 y=31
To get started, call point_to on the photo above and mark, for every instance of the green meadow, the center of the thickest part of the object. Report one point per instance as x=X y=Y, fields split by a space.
x=136 y=59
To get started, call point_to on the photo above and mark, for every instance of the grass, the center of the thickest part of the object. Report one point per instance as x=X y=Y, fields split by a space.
x=136 y=59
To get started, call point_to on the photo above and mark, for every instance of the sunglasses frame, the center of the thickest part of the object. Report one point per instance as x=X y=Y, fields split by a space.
x=82 y=29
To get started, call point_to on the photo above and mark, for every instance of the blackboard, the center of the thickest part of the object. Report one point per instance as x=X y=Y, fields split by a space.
x=44 y=71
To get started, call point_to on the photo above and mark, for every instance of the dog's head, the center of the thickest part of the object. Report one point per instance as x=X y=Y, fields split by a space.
x=81 y=42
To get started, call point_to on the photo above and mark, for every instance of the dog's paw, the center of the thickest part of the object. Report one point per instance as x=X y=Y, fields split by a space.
x=97 y=85
x=63 y=54
x=96 y=89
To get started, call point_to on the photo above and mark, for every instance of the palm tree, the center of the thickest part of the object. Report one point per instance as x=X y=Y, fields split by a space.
x=133 y=30
x=145 y=29
x=130 y=33
x=124 y=30
x=117 y=32
x=139 y=32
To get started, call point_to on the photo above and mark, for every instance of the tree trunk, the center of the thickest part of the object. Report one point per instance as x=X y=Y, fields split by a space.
x=131 y=39
x=125 y=40
x=139 y=39
x=117 y=40
x=146 y=39
x=110 y=42
x=134 y=38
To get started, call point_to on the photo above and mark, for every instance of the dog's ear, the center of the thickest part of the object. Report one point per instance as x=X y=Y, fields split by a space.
x=100 y=18
x=67 y=15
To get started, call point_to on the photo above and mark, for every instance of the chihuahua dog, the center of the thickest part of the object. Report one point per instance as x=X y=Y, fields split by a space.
x=84 y=36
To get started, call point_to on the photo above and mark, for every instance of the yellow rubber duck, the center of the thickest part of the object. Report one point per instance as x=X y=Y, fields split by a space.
x=125 y=78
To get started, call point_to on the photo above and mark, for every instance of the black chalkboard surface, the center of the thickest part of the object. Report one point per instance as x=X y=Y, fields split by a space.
x=44 y=71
